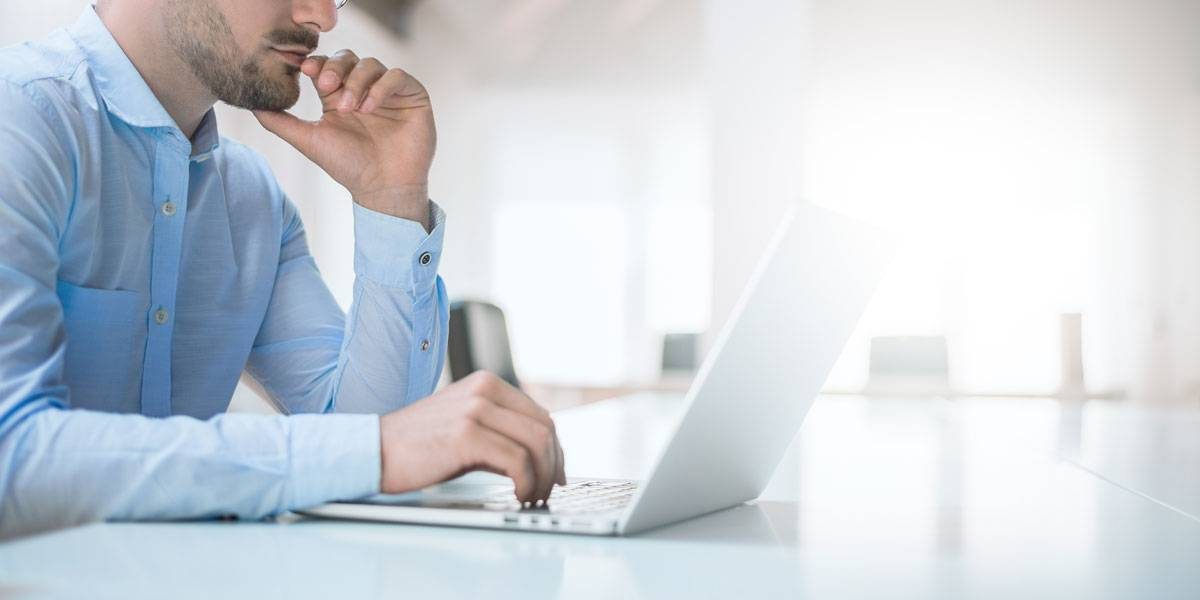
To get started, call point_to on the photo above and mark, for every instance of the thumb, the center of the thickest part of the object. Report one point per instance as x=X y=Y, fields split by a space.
x=293 y=130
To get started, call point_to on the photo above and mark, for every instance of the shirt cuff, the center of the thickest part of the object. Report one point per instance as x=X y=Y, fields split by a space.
x=333 y=457
x=397 y=252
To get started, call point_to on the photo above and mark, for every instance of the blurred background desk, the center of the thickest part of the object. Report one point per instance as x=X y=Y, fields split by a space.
x=877 y=498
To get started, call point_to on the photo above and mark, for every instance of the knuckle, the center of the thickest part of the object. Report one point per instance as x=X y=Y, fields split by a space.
x=407 y=79
x=416 y=86
x=544 y=439
x=373 y=63
x=483 y=382
x=345 y=53
x=475 y=407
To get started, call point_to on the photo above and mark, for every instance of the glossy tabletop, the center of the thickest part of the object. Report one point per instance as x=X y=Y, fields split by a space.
x=1152 y=451
x=881 y=498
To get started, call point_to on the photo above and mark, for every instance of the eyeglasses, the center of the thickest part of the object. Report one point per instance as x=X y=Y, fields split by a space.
x=341 y=3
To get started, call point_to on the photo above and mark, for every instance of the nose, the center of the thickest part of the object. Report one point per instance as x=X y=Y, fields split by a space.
x=317 y=14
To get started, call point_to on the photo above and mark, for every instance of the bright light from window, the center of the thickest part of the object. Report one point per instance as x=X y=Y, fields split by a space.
x=679 y=268
x=561 y=279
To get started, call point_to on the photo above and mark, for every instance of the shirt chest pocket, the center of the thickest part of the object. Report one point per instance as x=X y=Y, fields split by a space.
x=105 y=346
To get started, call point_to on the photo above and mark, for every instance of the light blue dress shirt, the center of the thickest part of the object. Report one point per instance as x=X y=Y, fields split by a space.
x=141 y=273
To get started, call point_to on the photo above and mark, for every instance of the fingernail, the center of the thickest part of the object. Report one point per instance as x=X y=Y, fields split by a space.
x=369 y=105
x=328 y=78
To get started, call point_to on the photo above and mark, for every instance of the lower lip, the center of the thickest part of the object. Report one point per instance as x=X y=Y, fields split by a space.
x=295 y=59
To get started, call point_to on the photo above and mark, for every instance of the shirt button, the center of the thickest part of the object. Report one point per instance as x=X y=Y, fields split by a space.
x=160 y=315
x=426 y=258
x=168 y=208
x=424 y=345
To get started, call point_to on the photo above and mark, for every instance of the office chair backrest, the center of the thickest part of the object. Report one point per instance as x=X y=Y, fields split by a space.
x=479 y=341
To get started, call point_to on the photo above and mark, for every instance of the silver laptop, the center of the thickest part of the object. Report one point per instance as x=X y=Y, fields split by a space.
x=744 y=407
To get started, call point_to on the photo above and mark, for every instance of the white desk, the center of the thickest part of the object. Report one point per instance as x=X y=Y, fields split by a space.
x=1153 y=452
x=876 y=499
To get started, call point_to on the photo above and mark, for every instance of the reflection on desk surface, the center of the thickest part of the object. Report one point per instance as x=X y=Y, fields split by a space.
x=875 y=498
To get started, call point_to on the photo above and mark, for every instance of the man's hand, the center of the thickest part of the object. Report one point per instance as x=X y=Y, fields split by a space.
x=376 y=134
x=477 y=424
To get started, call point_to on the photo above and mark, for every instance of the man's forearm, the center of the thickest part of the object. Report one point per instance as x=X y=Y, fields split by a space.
x=65 y=467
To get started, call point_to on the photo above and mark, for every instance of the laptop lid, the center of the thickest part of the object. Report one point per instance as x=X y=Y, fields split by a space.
x=763 y=373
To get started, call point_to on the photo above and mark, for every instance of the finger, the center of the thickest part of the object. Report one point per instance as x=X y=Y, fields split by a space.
x=394 y=84
x=293 y=130
x=506 y=456
x=312 y=66
x=488 y=385
x=362 y=78
x=537 y=439
x=560 y=469
x=562 y=463
x=334 y=72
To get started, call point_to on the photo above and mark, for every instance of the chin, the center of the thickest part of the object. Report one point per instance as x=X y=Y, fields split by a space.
x=289 y=95
x=276 y=93
x=282 y=89
x=264 y=87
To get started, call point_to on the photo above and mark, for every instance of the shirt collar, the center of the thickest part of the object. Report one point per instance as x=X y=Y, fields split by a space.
x=125 y=92
x=206 y=139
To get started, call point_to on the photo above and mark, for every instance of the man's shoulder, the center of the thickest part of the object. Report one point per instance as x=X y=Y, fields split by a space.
x=44 y=76
x=42 y=65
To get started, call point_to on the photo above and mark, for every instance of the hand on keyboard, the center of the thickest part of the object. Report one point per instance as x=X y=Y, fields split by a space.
x=477 y=423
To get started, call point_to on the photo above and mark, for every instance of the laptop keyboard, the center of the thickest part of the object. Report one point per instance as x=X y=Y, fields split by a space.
x=578 y=497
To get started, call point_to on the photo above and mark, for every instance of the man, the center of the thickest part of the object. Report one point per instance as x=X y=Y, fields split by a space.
x=145 y=262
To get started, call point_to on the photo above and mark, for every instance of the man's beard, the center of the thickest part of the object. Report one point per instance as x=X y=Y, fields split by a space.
x=202 y=37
